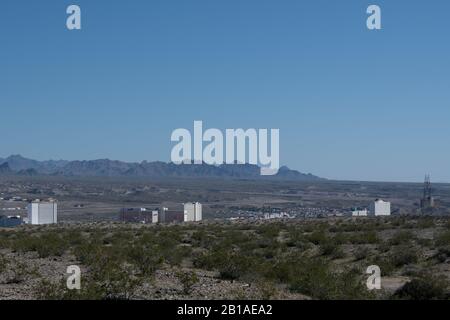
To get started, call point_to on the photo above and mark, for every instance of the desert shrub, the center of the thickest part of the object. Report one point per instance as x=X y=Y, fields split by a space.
x=333 y=229
x=267 y=289
x=51 y=244
x=386 y=265
x=403 y=255
x=4 y=239
x=85 y=253
x=3 y=263
x=297 y=239
x=361 y=253
x=175 y=256
x=233 y=238
x=398 y=222
x=443 y=239
x=350 y=227
x=425 y=223
x=447 y=224
x=332 y=250
x=73 y=238
x=425 y=242
x=230 y=265
x=424 y=288
x=201 y=239
x=23 y=243
x=315 y=278
x=318 y=238
x=341 y=238
x=369 y=237
x=168 y=237
x=271 y=230
x=442 y=254
x=111 y=280
x=401 y=238
x=262 y=243
x=236 y=266
x=384 y=246
x=147 y=260
x=46 y=244
x=19 y=272
x=47 y=290
x=188 y=280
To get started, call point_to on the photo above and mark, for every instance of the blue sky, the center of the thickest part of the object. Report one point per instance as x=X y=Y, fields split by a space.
x=350 y=103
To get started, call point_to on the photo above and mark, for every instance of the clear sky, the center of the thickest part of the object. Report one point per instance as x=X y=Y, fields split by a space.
x=350 y=103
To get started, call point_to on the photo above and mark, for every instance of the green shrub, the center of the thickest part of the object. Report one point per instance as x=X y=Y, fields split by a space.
x=443 y=239
x=401 y=238
x=147 y=260
x=442 y=254
x=361 y=253
x=174 y=256
x=332 y=250
x=111 y=280
x=47 y=290
x=230 y=265
x=3 y=263
x=386 y=265
x=315 y=278
x=426 y=288
x=318 y=238
x=46 y=244
x=20 y=272
x=369 y=237
x=235 y=267
x=188 y=280
x=425 y=223
x=403 y=255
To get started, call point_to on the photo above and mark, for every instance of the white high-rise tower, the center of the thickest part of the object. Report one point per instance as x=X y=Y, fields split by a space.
x=192 y=212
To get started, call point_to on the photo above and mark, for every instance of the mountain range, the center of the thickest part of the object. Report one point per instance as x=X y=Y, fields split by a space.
x=18 y=165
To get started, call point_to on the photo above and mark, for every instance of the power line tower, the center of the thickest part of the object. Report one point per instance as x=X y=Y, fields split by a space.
x=427 y=202
x=427 y=187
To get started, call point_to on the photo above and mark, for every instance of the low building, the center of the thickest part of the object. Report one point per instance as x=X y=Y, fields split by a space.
x=137 y=215
x=41 y=212
x=360 y=212
x=10 y=221
x=171 y=216
x=380 y=208
x=191 y=212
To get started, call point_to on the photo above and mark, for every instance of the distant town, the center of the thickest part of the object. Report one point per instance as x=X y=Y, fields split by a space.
x=45 y=211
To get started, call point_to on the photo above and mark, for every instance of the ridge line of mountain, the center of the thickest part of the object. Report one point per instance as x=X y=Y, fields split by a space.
x=18 y=165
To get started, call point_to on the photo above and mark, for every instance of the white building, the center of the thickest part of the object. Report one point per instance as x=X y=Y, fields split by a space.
x=380 y=208
x=155 y=216
x=42 y=212
x=192 y=211
x=359 y=212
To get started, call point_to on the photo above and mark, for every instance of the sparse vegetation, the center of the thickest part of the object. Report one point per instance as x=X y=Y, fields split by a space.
x=3 y=263
x=188 y=280
x=308 y=258
x=423 y=288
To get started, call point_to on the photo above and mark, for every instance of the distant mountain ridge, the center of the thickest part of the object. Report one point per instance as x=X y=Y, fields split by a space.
x=18 y=165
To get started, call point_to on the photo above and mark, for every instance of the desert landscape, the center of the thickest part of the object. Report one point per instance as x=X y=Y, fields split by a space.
x=319 y=252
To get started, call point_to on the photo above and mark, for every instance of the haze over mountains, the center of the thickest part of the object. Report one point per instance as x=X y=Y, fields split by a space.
x=18 y=165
